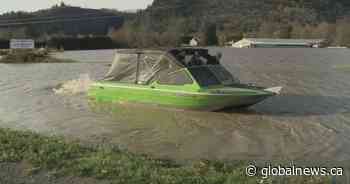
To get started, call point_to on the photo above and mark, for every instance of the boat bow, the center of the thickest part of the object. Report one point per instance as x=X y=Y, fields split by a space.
x=275 y=90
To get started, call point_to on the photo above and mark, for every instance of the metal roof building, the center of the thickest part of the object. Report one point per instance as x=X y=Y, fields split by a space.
x=277 y=43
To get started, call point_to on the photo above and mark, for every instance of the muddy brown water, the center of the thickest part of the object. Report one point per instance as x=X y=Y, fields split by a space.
x=309 y=121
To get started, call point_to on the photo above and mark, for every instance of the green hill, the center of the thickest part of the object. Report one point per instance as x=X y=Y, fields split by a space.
x=61 y=21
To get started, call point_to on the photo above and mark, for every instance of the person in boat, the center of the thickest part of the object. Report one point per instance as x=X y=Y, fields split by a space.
x=212 y=60
x=181 y=57
x=195 y=60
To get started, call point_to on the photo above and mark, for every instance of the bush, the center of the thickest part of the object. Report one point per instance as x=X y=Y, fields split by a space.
x=30 y=56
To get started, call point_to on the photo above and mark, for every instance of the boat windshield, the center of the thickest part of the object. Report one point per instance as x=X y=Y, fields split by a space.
x=211 y=75
x=205 y=68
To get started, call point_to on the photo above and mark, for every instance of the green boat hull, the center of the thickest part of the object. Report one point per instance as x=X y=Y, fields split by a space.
x=184 y=97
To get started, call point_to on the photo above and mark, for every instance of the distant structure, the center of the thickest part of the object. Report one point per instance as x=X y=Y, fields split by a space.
x=22 y=44
x=194 y=42
x=190 y=41
x=277 y=43
x=337 y=47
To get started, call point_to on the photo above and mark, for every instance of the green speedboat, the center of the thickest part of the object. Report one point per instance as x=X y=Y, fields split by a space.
x=185 y=78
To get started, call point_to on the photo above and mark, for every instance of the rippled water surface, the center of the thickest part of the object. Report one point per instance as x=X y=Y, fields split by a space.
x=310 y=120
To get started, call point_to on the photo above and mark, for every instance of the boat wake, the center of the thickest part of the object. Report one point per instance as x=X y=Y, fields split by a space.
x=74 y=87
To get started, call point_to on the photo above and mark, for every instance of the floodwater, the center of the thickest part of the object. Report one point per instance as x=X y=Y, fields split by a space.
x=309 y=121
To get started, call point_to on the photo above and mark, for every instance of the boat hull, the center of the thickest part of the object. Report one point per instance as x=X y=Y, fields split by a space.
x=206 y=100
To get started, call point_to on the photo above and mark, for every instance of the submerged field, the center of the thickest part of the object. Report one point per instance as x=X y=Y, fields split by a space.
x=29 y=56
x=309 y=121
x=59 y=159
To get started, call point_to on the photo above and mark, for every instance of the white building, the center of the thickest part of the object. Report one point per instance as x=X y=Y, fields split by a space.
x=194 y=42
x=276 y=43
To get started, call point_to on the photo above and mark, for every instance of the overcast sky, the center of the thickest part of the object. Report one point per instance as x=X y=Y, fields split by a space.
x=32 y=5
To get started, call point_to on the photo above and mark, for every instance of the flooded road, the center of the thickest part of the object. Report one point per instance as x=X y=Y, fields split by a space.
x=309 y=121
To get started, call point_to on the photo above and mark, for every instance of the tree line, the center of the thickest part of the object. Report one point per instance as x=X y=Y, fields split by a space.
x=217 y=22
x=213 y=22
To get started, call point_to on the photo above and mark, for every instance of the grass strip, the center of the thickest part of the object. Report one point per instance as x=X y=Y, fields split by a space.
x=29 y=56
x=121 y=167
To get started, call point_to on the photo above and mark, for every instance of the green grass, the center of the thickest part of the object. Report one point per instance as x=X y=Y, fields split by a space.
x=342 y=67
x=62 y=158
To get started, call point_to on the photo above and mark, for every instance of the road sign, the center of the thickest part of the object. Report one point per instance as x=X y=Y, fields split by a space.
x=22 y=44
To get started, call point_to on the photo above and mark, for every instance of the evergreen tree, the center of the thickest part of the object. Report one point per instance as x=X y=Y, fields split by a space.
x=210 y=35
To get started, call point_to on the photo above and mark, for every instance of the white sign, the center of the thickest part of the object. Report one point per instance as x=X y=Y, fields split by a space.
x=22 y=44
